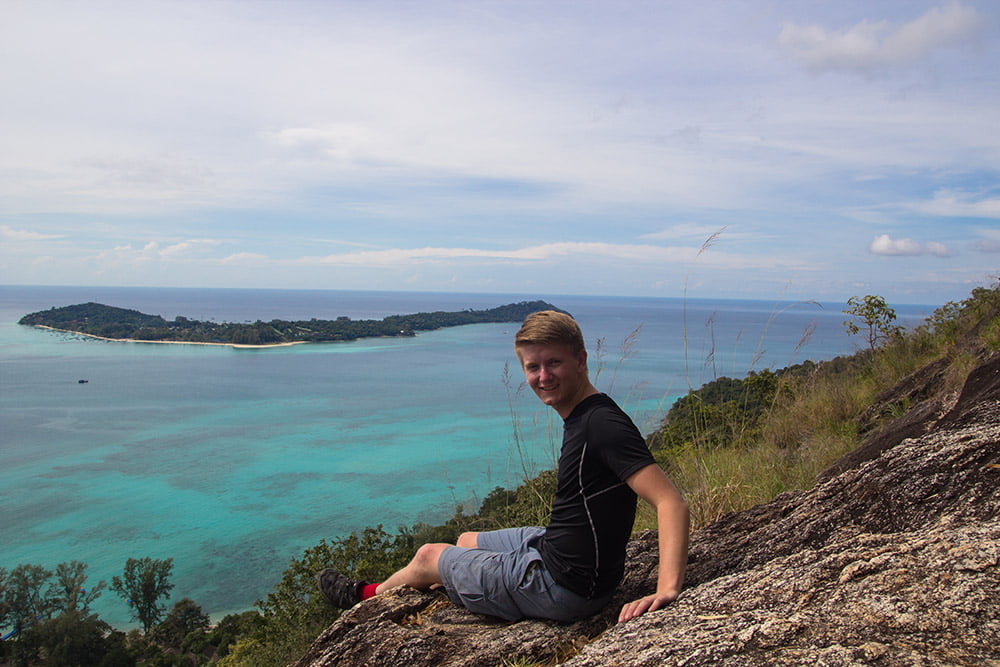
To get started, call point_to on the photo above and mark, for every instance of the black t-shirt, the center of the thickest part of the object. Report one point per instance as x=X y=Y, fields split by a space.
x=594 y=509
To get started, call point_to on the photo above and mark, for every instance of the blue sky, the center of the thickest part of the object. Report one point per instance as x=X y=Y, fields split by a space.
x=796 y=150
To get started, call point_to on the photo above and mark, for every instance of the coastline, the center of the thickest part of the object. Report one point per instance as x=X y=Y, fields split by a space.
x=170 y=342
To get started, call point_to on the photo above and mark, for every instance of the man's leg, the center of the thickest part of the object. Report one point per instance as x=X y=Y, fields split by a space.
x=420 y=572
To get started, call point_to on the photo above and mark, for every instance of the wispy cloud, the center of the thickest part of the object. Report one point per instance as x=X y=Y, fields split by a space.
x=685 y=231
x=190 y=247
x=538 y=253
x=342 y=142
x=155 y=250
x=961 y=204
x=871 y=45
x=564 y=254
x=13 y=234
x=245 y=258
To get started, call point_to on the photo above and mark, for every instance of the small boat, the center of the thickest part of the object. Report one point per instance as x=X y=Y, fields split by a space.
x=82 y=381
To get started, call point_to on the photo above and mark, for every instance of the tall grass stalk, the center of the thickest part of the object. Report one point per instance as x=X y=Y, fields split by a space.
x=709 y=242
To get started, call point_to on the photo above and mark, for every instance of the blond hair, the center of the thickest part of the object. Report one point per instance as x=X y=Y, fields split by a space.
x=547 y=327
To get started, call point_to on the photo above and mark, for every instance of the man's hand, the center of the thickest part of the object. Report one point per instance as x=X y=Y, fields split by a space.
x=648 y=603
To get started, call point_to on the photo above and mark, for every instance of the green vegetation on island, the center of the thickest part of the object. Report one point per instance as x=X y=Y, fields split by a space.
x=95 y=319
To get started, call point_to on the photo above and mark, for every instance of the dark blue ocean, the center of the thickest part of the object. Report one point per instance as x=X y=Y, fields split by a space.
x=233 y=461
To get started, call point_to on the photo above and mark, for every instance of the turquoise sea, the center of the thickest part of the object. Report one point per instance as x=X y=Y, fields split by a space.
x=232 y=461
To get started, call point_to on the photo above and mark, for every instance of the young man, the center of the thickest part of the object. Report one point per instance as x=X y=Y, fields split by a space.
x=569 y=569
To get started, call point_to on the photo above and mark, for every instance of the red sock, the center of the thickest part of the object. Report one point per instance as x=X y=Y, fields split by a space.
x=368 y=591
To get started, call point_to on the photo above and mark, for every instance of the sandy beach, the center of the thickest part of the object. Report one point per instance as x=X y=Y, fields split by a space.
x=169 y=342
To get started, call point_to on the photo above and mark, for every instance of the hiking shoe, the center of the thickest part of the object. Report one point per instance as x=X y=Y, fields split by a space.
x=339 y=590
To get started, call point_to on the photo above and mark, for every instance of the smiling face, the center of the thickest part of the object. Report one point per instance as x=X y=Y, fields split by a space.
x=556 y=374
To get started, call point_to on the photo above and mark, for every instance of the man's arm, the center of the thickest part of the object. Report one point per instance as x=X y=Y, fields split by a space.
x=672 y=519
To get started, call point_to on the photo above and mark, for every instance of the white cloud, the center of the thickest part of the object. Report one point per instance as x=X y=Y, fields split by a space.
x=344 y=141
x=12 y=234
x=244 y=258
x=883 y=244
x=154 y=251
x=193 y=246
x=870 y=45
x=987 y=246
x=937 y=249
x=960 y=204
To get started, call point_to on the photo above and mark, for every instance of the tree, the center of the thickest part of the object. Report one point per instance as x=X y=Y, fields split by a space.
x=142 y=585
x=185 y=618
x=233 y=626
x=24 y=604
x=69 y=592
x=72 y=639
x=24 y=597
x=875 y=316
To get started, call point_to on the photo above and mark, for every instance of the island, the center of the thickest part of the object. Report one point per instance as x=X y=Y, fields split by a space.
x=122 y=324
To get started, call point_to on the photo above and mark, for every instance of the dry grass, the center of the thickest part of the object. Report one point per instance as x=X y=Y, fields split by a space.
x=810 y=426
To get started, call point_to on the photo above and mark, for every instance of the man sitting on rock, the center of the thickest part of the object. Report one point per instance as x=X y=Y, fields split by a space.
x=569 y=569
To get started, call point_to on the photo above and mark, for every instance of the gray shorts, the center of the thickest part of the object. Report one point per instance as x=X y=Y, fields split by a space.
x=505 y=577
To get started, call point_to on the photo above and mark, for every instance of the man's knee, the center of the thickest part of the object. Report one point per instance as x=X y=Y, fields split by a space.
x=427 y=556
x=468 y=540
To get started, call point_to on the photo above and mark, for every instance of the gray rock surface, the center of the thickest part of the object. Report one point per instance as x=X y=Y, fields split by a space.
x=892 y=559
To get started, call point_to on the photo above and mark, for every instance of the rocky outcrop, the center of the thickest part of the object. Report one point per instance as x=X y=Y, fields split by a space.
x=892 y=559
